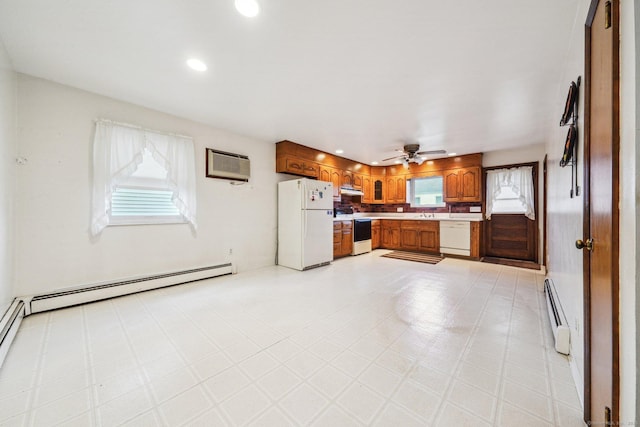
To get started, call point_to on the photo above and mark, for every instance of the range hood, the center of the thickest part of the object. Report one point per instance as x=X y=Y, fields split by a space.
x=349 y=191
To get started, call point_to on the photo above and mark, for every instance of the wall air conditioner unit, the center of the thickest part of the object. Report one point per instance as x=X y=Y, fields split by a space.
x=221 y=164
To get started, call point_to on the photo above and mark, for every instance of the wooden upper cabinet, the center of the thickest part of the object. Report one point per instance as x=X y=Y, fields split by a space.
x=367 y=189
x=470 y=184
x=462 y=185
x=347 y=179
x=336 y=180
x=396 y=189
x=297 y=166
x=390 y=194
x=401 y=189
x=357 y=181
x=334 y=176
x=377 y=189
x=324 y=173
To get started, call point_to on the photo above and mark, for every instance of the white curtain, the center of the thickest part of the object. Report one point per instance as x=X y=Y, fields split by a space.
x=117 y=152
x=520 y=180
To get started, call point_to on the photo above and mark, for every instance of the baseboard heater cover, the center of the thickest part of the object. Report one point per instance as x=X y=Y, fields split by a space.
x=9 y=325
x=96 y=292
x=557 y=319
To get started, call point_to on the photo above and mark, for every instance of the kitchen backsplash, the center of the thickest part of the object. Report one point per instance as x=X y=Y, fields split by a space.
x=364 y=207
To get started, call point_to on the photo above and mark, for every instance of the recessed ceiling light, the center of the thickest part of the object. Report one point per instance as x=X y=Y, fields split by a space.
x=397 y=162
x=339 y=151
x=374 y=163
x=452 y=154
x=248 y=8
x=196 y=64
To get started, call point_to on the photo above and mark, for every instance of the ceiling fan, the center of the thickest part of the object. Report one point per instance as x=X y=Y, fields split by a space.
x=412 y=155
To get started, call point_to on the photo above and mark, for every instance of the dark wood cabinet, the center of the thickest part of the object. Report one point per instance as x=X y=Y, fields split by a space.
x=463 y=185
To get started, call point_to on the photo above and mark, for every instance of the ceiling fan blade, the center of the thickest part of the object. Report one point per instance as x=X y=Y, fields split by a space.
x=393 y=158
x=420 y=153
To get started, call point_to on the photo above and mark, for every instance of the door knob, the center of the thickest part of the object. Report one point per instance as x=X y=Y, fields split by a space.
x=588 y=244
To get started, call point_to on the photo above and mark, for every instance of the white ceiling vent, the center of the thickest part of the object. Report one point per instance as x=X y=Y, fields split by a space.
x=221 y=164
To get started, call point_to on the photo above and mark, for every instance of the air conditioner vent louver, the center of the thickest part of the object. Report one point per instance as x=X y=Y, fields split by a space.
x=221 y=164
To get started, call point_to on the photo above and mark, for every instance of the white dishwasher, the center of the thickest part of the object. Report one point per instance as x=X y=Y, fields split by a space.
x=455 y=237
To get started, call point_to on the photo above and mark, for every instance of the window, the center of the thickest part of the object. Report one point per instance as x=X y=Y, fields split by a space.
x=141 y=177
x=425 y=192
x=510 y=191
x=144 y=198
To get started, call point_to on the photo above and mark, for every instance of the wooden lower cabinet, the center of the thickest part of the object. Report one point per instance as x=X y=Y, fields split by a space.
x=375 y=234
x=409 y=231
x=429 y=237
x=342 y=238
x=421 y=236
x=476 y=238
x=337 y=239
x=408 y=235
x=390 y=234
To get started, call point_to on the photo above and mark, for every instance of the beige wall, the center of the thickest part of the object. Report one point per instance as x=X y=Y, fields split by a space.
x=7 y=175
x=53 y=247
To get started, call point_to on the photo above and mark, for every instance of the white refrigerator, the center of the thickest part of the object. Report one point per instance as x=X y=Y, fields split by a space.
x=305 y=223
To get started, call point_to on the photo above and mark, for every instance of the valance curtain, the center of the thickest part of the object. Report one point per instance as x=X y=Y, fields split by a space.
x=520 y=180
x=117 y=152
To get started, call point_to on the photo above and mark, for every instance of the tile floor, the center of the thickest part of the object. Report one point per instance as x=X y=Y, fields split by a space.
x=365 y=341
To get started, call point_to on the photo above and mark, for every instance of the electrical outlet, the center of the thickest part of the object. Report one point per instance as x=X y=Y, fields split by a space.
x=399 y=210
x=230 y=251
x=576 y=325
x=475 y=209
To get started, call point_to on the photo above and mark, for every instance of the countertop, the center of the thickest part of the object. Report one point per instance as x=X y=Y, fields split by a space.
x=471 y=217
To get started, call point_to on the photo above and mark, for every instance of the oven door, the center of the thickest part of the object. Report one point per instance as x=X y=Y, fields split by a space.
x=361 y=236
x=361 y=230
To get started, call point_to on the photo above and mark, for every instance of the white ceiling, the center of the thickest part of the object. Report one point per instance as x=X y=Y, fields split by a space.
x=362 y=75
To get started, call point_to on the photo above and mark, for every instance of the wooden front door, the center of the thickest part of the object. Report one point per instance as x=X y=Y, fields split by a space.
x=511 y=236
x=600 y=240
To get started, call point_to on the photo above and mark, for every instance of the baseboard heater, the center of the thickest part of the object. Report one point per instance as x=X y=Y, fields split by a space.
x=557 y=319
x=96 y=292
x=9 y=324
